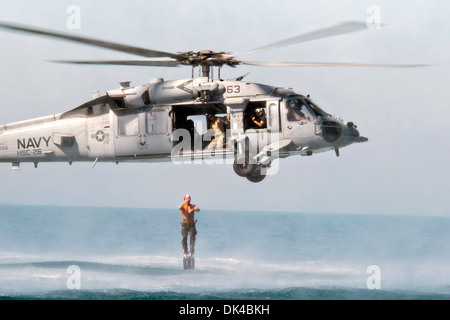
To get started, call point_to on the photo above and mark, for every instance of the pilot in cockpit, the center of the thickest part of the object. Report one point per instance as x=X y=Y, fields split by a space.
x=297 y=111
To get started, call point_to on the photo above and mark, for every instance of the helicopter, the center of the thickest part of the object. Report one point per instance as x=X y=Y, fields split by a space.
x=253 y=124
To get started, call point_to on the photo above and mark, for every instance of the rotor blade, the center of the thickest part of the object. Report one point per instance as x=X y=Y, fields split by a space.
x=329 y=64
x=342 y=28
x=93 y=42
x=147 y=63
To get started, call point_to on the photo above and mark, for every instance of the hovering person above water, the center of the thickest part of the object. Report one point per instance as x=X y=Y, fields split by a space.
x=187 y=211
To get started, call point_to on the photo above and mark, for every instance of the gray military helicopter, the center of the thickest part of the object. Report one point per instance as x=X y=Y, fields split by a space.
x=253 y=124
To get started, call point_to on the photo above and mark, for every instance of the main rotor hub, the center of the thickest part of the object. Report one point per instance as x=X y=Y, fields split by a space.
x=206 y=58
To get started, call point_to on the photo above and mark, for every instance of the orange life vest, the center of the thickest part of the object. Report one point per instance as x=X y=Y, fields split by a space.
x=187 y=214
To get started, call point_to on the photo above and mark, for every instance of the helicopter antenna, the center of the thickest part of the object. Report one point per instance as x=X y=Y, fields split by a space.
x=242 y=77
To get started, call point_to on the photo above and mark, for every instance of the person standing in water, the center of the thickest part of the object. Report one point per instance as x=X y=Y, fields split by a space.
x=187 y=211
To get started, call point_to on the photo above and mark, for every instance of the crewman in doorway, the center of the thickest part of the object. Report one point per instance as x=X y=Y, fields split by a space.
x=259 y=118
x=219 y=125
x=187 y=211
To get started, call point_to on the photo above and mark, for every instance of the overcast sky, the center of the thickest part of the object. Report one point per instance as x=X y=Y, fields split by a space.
x=403 y=169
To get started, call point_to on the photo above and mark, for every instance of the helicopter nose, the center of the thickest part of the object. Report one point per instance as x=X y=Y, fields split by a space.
x=350 y=131
x=351 y=134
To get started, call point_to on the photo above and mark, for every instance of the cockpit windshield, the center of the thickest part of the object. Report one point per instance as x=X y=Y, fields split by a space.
x=299 y=110
x=316 y=109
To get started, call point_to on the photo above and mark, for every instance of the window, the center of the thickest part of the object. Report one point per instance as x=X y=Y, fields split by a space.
x=129 y=125
x=298 y=111
x=274 y=120
x=316 y=108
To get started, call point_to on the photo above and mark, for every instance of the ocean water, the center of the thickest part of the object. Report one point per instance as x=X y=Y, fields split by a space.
x=50 y=252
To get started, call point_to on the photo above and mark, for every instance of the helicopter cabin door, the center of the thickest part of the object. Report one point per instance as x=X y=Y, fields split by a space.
x=140 y=133
x=273 y=117
x=158 y=128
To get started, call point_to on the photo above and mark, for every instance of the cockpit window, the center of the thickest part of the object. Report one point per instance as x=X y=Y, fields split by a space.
x=316 y=109
x=298 y=110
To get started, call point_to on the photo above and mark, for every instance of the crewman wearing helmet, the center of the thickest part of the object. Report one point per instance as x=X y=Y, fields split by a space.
x=259 y=118
x=187 y=211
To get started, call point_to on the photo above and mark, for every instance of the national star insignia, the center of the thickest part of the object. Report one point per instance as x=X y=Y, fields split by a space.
x=100 y=136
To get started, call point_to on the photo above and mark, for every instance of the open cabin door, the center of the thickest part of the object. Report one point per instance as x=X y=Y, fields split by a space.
x=273 y=116
x=260 y=137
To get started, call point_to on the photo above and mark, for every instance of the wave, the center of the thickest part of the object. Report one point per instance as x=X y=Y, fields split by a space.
x=292 y=293
x=141 y=264
x=157 y=277
x=24 y=274
x=93 y=266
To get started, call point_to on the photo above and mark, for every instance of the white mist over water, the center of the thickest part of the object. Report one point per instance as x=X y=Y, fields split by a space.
x=160 y=273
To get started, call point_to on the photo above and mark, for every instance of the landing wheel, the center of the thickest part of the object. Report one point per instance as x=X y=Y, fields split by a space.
x=243 y=167
x=256 y=176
